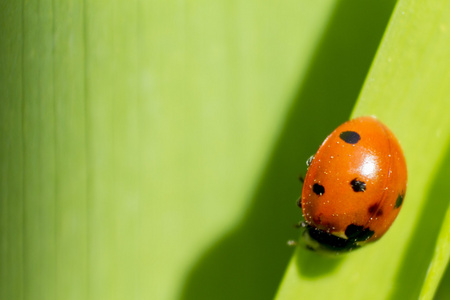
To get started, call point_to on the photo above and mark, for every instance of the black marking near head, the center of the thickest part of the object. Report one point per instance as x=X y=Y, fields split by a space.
x=357 y=185
x=358 y=233
x=399 y=201
x=318 y=189
x=350 y=137
x=330 y=241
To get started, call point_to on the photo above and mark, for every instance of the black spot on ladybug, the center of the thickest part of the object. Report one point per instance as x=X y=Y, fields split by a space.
x=318 y=189
x=350 y=137
x=318 y=219
x=358 y=233
x=399 y=201
x=357 y=185
x=373 y=208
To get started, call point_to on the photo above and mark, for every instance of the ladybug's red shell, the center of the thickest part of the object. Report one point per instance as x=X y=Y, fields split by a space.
x=354 y=186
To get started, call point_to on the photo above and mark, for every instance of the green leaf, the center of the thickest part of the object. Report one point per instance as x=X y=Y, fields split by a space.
x=133 y=135
x=407 y=88
x=151 y=149
x=440 y=260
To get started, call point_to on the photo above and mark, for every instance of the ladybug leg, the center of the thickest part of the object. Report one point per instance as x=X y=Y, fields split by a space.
x=301 y=224
x=309 y=160
x=299 y=200
x=292 y=243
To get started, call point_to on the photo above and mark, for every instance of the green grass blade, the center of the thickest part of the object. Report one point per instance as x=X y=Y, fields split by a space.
x=443 y=291
x=440 y=260
x=408 y=90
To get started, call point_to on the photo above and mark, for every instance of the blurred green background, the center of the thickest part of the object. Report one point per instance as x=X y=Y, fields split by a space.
x=151 y=149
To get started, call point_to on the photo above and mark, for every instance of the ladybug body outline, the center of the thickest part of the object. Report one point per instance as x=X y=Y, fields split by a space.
x=354 y=187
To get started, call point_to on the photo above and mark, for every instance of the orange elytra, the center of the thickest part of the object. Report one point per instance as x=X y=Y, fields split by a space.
x=354 y=187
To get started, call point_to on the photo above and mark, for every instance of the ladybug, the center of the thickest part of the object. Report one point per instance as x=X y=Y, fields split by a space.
x=354 y=187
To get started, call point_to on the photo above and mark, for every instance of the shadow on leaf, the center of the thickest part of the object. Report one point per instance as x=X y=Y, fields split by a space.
x=249 y=261
x=421 y=246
